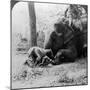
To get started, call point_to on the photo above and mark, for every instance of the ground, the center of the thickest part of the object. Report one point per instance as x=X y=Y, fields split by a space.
x=59 y=75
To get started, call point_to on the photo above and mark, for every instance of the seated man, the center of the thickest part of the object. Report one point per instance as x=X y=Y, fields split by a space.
x=61 y=42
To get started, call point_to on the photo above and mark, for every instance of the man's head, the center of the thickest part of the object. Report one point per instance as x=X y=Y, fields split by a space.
x=59 y=27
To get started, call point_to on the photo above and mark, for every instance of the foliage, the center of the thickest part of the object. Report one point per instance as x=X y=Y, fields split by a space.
x=75 y=11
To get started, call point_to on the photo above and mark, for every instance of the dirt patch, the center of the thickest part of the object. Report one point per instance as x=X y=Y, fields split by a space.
x=60 y=75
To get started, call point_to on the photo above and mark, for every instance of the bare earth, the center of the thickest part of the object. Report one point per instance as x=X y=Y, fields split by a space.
x=59 y=75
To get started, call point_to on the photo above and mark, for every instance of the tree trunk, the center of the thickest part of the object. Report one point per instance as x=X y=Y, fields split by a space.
x=32 y=20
